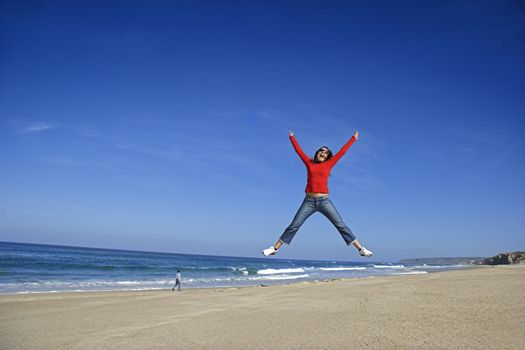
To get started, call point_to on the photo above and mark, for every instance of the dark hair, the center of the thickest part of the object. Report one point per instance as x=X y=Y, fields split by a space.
x=328 y=156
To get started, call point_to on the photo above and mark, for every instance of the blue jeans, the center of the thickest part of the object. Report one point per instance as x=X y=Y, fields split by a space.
x=326 y=207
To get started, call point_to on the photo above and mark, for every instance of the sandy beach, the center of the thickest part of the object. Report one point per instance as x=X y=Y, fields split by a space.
x=481 y=308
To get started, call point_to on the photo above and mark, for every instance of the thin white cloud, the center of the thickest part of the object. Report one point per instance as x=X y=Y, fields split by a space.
x=364 y=181
x=468 y=150
x=22 y=210
x=69 y=162
x=80 y=207
x=483 y=140
x=151 y=150
x=33 y=126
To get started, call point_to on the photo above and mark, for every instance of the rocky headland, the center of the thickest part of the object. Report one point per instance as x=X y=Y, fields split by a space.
x=509 y=258
x=505 y=259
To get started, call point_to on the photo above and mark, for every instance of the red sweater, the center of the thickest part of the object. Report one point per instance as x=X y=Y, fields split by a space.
x=318 y=172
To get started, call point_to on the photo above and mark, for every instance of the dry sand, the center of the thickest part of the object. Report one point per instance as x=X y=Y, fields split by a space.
x=481 y=308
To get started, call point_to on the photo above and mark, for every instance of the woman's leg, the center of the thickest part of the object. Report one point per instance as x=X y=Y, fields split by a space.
x=327 y=208
x=306 y=209
x=356 y=244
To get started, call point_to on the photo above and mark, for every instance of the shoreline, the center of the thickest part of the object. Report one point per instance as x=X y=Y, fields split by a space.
x=223 y=288
x=271 y=284
x=480 y=308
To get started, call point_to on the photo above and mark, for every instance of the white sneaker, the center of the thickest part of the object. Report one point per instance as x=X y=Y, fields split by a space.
x=269 y=251
x=365 y=252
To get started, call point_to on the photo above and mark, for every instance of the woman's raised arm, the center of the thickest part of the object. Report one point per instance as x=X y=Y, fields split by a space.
x=345 y=148
x=298 y=149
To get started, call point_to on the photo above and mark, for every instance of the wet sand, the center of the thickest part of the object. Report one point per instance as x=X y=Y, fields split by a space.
x=480 y=308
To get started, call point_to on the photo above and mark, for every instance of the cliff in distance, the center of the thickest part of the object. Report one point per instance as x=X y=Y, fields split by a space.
x=505 y=259
x=500 y=259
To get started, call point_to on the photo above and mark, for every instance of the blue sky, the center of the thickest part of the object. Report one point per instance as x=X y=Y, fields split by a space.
x=164 y=125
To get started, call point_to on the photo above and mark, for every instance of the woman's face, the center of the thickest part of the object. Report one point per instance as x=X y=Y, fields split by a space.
x=321 y=155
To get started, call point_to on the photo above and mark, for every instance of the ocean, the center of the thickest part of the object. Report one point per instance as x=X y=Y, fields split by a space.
x=33 y=268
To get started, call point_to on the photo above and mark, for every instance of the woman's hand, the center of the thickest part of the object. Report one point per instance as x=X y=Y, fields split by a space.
x=356 y=134
x=291 y=133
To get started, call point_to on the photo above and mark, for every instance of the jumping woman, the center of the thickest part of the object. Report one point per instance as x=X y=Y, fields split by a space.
x=317 y=198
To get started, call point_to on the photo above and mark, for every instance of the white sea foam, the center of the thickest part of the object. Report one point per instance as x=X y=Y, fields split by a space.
x=410 y=273
x=243 y=270
x=342 y=268
x=287 y=277
x=437 y=267
x=389 y=266
x=279 y=271
x=279 y=277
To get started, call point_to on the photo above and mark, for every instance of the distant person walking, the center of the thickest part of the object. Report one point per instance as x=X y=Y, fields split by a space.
x=318 y=169
x=177 y=281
